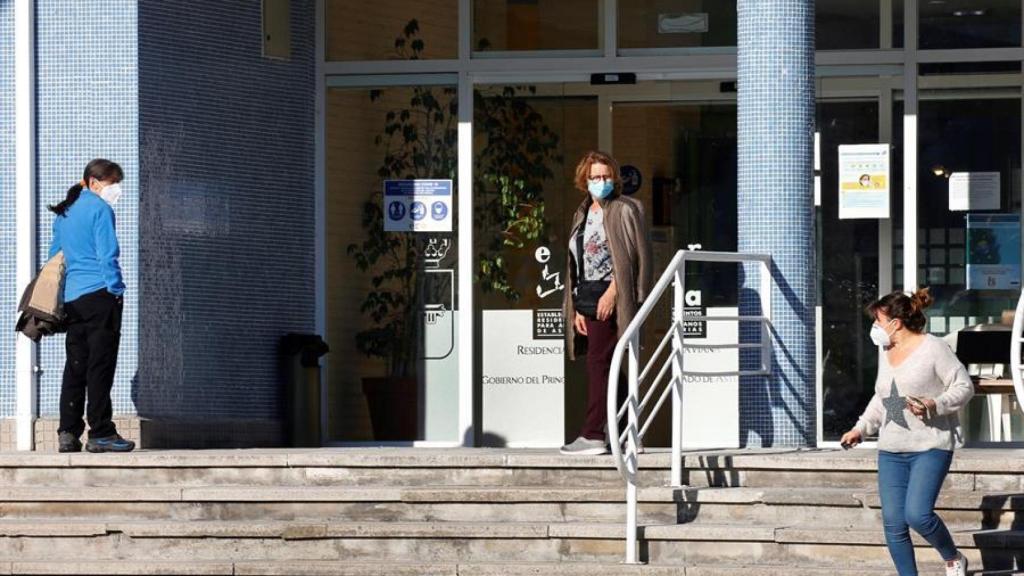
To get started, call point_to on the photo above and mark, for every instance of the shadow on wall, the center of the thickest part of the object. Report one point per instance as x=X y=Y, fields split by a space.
x=756 y=395
x=761 y=397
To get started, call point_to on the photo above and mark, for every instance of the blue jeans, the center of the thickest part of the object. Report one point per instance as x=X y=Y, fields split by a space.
x=908 y=485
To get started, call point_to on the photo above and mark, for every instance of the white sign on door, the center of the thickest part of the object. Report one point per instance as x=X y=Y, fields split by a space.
x=974 y=191
x=711 y=404
x=523 y=378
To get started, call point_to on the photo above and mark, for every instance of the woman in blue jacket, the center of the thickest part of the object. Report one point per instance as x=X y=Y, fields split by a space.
x=93 y=300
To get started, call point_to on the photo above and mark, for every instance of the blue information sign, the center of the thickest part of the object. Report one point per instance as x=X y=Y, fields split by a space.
x=418 y=205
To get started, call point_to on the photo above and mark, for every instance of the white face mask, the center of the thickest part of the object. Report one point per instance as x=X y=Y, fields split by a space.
x=880 y=337
x=111 y=193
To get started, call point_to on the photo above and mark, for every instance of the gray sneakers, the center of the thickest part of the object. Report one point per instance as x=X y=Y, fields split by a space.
x=958 y=567
x=583 y=447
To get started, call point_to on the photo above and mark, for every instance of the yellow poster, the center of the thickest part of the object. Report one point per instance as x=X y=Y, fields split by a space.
x=864 y=181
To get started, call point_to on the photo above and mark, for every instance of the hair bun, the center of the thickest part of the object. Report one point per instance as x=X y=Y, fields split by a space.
x=921 y=299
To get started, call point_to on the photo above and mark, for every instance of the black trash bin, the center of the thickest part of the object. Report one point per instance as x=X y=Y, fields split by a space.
x=300 y=366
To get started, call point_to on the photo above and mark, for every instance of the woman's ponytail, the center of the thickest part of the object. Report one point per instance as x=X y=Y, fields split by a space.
x=73 y=193
x=921 y=299
x=98 y=169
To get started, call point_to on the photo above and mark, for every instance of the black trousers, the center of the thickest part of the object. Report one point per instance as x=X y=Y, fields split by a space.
x=93 y=338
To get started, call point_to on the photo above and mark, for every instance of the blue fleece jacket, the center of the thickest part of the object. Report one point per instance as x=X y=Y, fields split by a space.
x=86 y=235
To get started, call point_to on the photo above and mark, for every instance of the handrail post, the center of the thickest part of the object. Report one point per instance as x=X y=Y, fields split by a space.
x=678 y=302
x=766 y=312
x=1015 y=344
x=632 y=464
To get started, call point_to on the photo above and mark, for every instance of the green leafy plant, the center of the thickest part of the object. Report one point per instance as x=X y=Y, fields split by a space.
x=420 y=140
x=511 y=171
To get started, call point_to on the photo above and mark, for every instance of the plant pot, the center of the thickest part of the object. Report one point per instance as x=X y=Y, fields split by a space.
x=394 y=407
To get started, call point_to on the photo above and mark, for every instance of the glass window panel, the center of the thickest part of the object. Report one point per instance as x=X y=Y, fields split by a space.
x=950 y=68
x=897 y=23
x=517 y=25
x=848 y=274
x=359 y=30
x=957 y=323
x=391 y=299
x=969 y=24
x=846 y=24
x=677 y=24
x=966 y=135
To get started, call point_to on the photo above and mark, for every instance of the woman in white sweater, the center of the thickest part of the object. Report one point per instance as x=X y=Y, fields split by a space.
x=920 y=387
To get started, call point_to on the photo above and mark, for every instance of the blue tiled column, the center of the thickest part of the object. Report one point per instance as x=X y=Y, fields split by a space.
x=776 y=208
x=8 y=287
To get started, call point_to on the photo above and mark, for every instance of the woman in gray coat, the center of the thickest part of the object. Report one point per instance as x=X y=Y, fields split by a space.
x=609 y=275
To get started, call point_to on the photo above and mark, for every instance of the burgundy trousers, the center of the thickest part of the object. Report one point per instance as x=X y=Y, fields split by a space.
x=602 y=336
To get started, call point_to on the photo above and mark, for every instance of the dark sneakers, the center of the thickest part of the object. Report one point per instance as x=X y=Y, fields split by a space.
x=109 y=444
x=68 y=442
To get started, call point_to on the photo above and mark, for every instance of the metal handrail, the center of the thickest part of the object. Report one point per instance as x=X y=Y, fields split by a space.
x=1016 y=337
x=629 y=345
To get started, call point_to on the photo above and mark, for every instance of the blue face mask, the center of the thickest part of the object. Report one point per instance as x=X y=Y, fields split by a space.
x=600 y=189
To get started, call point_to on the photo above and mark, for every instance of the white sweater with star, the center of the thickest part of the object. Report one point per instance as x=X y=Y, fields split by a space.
x=931 y=371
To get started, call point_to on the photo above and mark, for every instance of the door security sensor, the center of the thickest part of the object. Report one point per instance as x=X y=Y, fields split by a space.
x=612 y=78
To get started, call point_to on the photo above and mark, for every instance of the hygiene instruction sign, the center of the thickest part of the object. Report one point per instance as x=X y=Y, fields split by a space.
x=418 y=205
x=863 y=181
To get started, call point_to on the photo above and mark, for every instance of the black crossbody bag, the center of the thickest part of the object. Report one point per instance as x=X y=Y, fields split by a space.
x=586 y=293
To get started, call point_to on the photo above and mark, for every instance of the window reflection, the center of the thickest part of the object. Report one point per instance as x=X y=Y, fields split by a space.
x=684 y=24
x=958 y=137
x=969 y=24
x=846 y=25
x=525 y=25
x=387 y=29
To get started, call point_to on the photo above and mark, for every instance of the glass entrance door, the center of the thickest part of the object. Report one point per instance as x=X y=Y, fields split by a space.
x=685 y=153
x=391 y=255
x=677 y=140
x=527 y=140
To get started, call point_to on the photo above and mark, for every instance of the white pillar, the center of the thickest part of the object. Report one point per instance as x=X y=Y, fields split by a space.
x=910 y=106
x=25 y=208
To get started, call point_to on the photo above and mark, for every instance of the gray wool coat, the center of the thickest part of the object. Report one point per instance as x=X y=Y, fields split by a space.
x=629 y=241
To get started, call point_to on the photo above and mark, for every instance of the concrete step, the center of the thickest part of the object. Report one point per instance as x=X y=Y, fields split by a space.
x=334 y=568
x=435 y=542
x=458 y=467
x=828 y=497
x=769 y=506
x=543 y=569
x=382 y=511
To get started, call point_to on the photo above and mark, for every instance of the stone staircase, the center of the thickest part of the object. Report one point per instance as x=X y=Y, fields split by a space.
x=480 y=512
